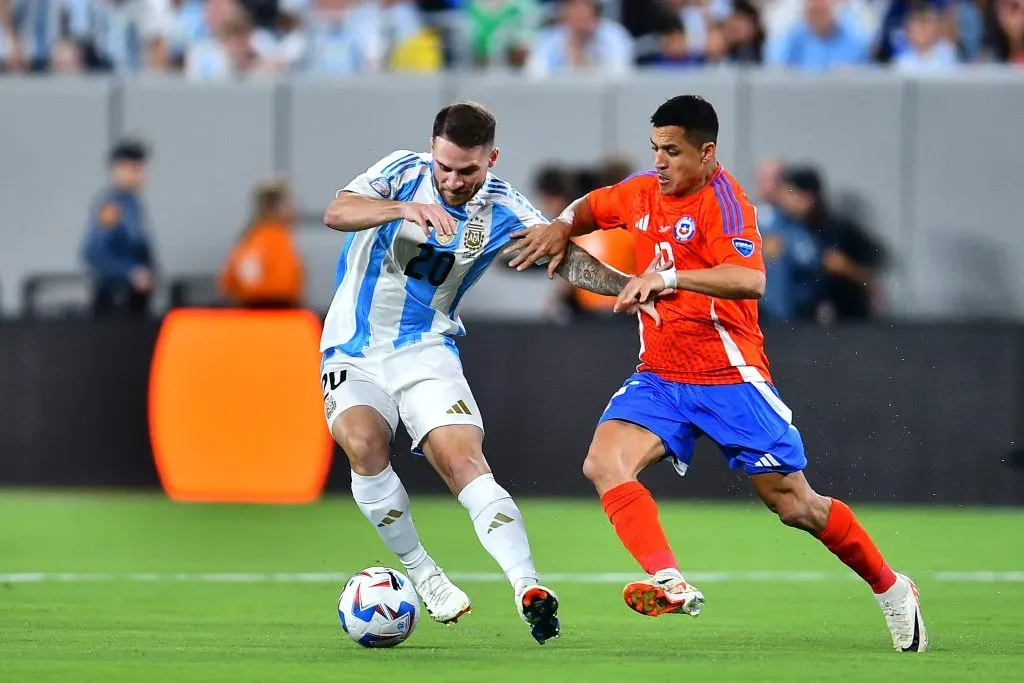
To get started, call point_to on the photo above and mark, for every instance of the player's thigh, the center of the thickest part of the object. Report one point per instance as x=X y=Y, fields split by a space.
x=752 y=426
x=432 y=392
x=641 y=424
x=360 y=415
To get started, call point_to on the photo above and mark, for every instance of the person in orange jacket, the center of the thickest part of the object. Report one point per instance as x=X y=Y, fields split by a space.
x=264 y=268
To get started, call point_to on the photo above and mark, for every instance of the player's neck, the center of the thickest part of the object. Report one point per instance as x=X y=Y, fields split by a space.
x=700 y=184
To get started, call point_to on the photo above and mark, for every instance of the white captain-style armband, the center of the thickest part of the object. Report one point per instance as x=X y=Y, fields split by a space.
x=669 y=277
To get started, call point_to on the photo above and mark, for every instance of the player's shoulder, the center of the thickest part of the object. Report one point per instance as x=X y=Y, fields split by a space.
x=401 y=161
x=638 y=183
x=502 y=193
x=725 y=201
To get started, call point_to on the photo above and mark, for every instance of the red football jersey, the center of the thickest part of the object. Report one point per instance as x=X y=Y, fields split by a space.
x=702 y=340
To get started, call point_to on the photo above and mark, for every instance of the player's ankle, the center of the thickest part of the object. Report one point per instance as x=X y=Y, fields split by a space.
x=668 y=574
x=419 y=567
x=522 y=584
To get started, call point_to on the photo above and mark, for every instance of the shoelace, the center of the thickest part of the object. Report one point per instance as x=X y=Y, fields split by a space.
x=892 y=611
x=437 y=587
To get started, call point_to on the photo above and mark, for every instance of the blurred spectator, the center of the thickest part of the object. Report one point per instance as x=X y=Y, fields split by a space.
x=745 y=34
x=582 y=41
x=820 y=41
x=230 y=53
x=792 y=250
x=926 y=49
x=125 y=36
x=674 y=50
x=716 y=48
x=767 y=184
x=697 y=16
x=380 y=27
x=500 y=31
x=892 y=35
x=284 y=46
x=969 y=29
x=29 y=29
x=371 y=36
x=850 y=257
x=1004 y=40
x=333 y=47
x=117 y=246
x=264 y=268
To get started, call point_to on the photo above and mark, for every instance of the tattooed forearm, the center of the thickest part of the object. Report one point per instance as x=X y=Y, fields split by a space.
x=582 y=270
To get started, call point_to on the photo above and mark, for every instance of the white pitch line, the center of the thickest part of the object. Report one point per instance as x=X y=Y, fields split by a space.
x=490 y=577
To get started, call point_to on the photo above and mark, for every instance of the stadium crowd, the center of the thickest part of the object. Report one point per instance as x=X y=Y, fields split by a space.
x=221 y=39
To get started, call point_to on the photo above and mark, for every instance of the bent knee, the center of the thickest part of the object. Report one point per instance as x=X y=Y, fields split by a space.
x=606 y=469
x=809 y=514
x=368 y=451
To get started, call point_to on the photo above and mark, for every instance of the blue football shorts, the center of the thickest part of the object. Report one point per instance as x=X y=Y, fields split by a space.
x=748 y=421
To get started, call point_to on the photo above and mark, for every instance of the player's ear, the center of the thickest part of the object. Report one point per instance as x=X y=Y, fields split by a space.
x=493 y=158
x=707 y=152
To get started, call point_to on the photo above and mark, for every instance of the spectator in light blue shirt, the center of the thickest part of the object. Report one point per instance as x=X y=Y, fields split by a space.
x=819 y=42
x=582 y=41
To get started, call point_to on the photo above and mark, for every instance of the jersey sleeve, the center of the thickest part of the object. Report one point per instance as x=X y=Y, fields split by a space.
x=611 y=204
x=732 y=233
x=382 y=180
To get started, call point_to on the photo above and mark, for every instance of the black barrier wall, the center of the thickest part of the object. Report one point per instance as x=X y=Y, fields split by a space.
x=888 y=414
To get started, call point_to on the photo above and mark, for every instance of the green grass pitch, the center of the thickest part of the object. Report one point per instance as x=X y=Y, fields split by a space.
x=124 y=587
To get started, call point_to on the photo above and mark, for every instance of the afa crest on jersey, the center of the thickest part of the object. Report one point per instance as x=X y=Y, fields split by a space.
x=685 y=229
x=474 y=239
x=382 y=187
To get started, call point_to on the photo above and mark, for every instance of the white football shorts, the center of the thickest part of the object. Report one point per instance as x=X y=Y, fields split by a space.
x=422 y=384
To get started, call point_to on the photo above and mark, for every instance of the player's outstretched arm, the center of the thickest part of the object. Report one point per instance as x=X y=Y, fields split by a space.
x=352 y=212
x=581 y=269
x=549 y=240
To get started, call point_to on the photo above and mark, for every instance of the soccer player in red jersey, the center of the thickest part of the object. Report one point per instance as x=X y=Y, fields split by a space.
x=703 y=370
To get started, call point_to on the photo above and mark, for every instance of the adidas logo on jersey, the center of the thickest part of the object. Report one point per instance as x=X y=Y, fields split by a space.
x=460 y=408
x=642 y=224
x=500 y=520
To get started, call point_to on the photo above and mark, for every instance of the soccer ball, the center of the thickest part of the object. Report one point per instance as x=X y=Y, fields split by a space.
x=379 y=607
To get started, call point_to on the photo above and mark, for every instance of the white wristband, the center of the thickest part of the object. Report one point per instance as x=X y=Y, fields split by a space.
x=669 y=277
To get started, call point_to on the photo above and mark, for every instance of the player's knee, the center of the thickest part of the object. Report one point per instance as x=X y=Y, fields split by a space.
x=602 y=466
x=368 y=451
x=807 y=513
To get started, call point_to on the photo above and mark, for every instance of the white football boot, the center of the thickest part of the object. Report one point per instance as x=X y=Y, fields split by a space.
x=538 y=606
x=664 y=593
x=901 y=606
x=445 y=601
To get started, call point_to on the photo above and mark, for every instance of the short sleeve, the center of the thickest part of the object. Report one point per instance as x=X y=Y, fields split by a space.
x=382 y=180
x=611 y=205
x=731 y=229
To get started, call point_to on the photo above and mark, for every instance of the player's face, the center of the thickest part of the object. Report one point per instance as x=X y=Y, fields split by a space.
x=680 y=166
x=460 y=172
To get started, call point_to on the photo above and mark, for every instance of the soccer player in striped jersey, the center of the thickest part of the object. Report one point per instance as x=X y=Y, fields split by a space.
x=421 y=229
x=703 y=371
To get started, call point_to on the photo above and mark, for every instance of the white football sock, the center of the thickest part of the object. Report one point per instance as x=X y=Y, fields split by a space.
x=384 y=502
x=499 y=526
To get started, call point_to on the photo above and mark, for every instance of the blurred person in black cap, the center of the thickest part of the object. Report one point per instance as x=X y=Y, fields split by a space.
x=850 y=256
x=117 y=246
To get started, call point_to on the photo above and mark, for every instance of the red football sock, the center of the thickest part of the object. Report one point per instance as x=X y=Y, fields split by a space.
x=634 y=514
x=849 y=541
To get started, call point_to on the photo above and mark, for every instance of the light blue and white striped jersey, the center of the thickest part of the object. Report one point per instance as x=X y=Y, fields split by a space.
x=395 y=286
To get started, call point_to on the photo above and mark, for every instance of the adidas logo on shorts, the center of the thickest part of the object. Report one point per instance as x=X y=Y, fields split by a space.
x=460 y=408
